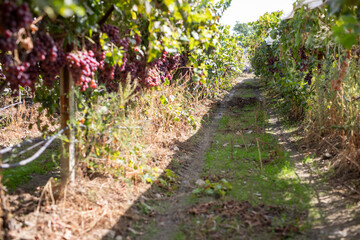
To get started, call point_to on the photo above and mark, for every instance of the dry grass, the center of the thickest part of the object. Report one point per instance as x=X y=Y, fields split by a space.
x=15 y=122
x=334 y=122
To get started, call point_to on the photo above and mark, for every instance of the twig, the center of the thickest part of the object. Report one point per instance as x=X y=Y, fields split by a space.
x=261 y=164
x=232 y=148
x=350 y=188
x=96 y=221
x=47 y=188
x=242 y=138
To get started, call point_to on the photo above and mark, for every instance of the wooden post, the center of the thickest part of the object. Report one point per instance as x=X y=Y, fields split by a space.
x=67 y=112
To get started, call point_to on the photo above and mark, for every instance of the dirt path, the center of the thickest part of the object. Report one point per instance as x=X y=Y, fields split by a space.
x=242 y=176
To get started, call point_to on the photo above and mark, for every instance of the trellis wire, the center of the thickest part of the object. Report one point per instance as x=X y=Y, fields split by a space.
x=33 y=157
x=6 y=107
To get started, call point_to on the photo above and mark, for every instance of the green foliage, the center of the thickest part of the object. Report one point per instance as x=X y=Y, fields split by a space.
x=313 y=66
x=261 y=30
x=189 y=28
x=221 y=62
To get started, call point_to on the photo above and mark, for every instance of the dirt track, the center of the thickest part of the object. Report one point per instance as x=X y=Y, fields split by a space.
x=174 y=214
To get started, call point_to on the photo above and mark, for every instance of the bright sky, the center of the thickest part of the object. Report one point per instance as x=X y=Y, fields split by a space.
x=250 y=10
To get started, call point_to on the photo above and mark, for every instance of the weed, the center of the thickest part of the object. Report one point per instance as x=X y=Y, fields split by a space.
x=168 y=180
x=217 y=189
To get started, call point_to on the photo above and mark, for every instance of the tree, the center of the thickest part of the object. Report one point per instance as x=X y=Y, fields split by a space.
x=242 y=29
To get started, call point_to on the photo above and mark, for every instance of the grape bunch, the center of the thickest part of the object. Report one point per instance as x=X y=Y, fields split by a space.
x=304 y=64
x=183 y=63
x=173 y=62
x=165 y=65
x=17 y=75
x=50 y=68
x=33 y=72
x=152 y=78
x=138 y=39
x=106 y=75
x=123 y=65
x=83 y=66
x=308 y=77
x=125 y=44
x=163 y=56
x=7 y=41
x=44 y=49
x=112 y=32
x=12 y=18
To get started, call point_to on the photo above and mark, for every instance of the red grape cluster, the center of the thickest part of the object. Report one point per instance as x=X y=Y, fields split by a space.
x=83 y=66
x=112 y=32
x=45 y=57
x=33 y=72
x=106 y=75
x=163 y=56
x=124 y=43
x=7 y=41
x=44 y=49
x=123 y=65
x=173 y=62
x=152 y=78
x=303 y=57
x=17 y=75
x=12 y=18
x=138 y=39
x=166 y=64
x=50 y=68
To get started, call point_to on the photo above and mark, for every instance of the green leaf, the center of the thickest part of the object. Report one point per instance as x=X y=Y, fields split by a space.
x=197 y=191
x=209 y=191
x=163 y=100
